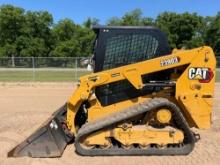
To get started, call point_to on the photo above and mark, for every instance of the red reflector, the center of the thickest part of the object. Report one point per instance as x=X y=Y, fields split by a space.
x=209 y=77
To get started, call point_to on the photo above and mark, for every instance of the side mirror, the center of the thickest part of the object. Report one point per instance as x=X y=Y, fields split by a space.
x=89 y=67
x=84 y=62
x=87 y=62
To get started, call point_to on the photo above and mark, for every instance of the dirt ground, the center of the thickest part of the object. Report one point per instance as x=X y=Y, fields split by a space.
x=24 y=107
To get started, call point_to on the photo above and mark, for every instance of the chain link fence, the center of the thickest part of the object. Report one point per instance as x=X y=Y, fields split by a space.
x=218 y=62
x=41 y=68
x=46 y=68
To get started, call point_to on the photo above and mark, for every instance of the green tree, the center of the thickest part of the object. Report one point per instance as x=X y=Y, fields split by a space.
x=64 y=29
x=86 y=39
x=147 y=21
x=28 y=33
x=133 y=18
x=37 y=39
x=183 y=30
x=25 y=33
x=72 y=39
x=213 y=34
x=31 y=46
x=90 y=21
x=114 y=21
x=12 y=21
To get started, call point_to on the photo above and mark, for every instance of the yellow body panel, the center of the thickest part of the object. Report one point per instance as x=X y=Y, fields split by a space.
x=197 y=98
x=194 y=98
x=136 y=135
x=148 y=136
x=97 y=138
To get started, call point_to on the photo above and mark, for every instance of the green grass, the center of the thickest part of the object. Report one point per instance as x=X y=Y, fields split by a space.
x=218 y=76
x=50 y=75
x=57 y=75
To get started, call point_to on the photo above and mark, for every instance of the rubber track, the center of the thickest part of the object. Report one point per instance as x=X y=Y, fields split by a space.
x=153 y=104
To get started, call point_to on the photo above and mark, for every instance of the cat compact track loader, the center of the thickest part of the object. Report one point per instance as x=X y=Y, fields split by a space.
x=142 y=99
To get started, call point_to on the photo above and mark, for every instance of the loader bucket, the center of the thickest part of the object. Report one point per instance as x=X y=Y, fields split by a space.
x=49 y=140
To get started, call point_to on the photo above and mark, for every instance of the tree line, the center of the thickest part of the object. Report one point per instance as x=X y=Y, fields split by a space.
x=34 y=33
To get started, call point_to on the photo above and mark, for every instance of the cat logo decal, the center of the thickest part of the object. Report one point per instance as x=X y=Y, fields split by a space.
x=202 y=74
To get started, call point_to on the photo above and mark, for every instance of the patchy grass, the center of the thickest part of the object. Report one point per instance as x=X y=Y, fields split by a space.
x=56 y=75
x=218 y=76
x=41 y=75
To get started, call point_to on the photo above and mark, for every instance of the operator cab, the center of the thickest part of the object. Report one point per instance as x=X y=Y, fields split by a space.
x=117 y=46
x=122 y=45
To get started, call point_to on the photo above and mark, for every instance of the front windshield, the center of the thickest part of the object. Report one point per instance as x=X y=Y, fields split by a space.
x=129 y=48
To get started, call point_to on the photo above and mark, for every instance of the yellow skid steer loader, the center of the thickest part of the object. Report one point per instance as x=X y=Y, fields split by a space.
x=142 y=99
